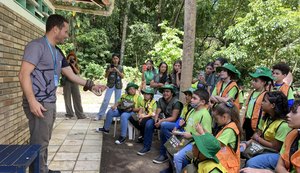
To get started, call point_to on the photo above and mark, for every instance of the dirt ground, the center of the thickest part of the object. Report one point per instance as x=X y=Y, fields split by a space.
x=123 y=158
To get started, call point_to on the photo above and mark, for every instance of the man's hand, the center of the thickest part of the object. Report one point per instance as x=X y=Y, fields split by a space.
x=37 y=109
x=98 y=89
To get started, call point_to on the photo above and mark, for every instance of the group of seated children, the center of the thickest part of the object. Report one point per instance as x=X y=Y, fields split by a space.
x=211 y=122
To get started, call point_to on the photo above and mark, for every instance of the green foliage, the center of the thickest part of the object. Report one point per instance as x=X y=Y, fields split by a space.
x=132 y=75
x=94 y=71
x=267 y=34
x=213 y=19
x=139 y=42
x=93 y=45
x=169 y=48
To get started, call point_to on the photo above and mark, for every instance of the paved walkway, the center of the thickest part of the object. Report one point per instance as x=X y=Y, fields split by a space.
x=75 y=146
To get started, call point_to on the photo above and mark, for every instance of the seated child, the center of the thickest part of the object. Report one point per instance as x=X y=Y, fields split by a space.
x=205 y=150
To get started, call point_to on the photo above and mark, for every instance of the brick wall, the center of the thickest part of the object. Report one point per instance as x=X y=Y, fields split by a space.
x=15 y=33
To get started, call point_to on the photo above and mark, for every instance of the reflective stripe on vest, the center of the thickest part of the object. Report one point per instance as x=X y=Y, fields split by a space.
x=226 y=90
x=284 y=88
x=295 y=158
x=257 y=111
x=209 y=165
x=229 y=158
x=135 y=98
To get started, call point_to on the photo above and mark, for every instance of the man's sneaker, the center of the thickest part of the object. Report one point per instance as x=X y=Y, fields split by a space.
x=160 y=159
x=121 y=140
x=143 y=151
x=52 y=171
x=102 y=129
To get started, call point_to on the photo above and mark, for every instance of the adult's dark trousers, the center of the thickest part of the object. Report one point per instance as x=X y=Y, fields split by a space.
x=139 y=125
x=41 y=130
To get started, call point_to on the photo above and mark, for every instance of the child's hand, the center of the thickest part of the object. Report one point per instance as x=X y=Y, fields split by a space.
x=200 y=129
x=175 y=129
x=187 y=135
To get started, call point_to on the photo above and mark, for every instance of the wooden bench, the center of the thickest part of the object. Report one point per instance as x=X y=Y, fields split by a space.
x=17 y=158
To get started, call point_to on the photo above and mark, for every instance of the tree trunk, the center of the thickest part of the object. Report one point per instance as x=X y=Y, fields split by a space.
x=178 y=13
x=188 y=45
x=159 y=15
x=124 y=32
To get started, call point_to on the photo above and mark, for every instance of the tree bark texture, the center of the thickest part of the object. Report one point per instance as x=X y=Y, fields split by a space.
x=188 y=46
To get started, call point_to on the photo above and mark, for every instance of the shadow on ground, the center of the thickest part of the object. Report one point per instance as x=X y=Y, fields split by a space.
x=123 y=158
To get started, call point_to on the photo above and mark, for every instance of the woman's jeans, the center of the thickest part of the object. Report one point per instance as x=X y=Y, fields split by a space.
x=124 y=120
x=108 y=93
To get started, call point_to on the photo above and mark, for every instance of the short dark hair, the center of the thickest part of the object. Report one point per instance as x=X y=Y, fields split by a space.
x=210 y=64
x=222 y=60
x=203 y=94
x=283 y=67
x=55 y=20
x=115 y=54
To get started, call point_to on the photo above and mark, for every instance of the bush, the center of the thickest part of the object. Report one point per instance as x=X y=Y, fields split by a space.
x=94 y=71
x=132 y=75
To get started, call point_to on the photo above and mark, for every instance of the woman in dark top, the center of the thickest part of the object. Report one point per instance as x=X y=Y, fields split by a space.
x=161 y=78
x=175 y=76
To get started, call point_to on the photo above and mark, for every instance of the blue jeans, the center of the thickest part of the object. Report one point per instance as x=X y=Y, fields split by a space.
x=109 y=118
x=263 y=161
x=148 y=134
x=124 y=120
x=179 y=157
x=106 y=100
x=165 y=133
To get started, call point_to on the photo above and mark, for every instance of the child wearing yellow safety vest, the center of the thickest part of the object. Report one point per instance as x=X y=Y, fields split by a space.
x=146 y=113
x=273 y=130
x=204 y=151
x=290 y=152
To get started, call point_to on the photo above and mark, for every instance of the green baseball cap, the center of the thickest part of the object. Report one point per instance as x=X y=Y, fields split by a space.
x=262 y=72
x=189 y=91
x=208 y=145
x=148 y=91
x=231 y=68
x=167 y=86
x=131 y=84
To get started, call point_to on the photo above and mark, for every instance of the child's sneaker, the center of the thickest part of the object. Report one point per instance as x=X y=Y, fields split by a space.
x=102 y=129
